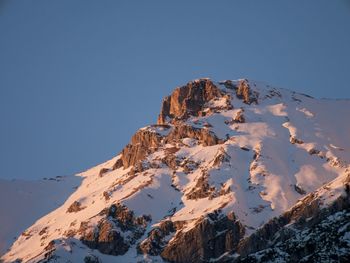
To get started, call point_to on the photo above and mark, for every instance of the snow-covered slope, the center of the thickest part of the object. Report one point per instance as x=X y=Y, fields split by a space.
x=23 y=202
x=224 y=159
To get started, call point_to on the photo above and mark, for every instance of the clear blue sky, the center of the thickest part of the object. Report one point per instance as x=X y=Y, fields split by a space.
x=77 y=78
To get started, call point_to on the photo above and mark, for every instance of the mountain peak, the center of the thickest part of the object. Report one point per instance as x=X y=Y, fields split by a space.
x=229 y=168
x=194 y=98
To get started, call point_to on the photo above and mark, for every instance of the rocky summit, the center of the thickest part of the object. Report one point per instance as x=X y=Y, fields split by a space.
x=233 y=171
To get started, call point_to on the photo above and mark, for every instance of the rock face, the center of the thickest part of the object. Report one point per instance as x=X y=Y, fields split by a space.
x=185 y=101
x=116 y=231
x=142 y=143
x=212 y=236
x=204 y=136
x=145 y=142
x=188 y=100
x=323 y=242
x=156 y=241
x=317 y=227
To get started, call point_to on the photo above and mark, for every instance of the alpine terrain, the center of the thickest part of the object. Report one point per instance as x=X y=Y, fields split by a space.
x=233 y=171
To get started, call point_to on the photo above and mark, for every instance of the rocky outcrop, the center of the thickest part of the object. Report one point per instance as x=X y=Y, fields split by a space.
x=103 y=171
x=118 y=164
x=244 y=92
x=294 y=140
x=156 y=241
x=325 y=241
x=188 y=100
x=221 y=157
x=75 y=207
x=212 y=236
x=202 y=189
x=203 y=135
x=239 y=118
x=307 y=214
x=321 y=238
x=115 y=232
x=142 y=143
x=189 y=165
x=171 y=161
x=106 y=239
x=146 y=141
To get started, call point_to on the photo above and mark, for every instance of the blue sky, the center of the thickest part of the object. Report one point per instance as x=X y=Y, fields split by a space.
x=78 y=78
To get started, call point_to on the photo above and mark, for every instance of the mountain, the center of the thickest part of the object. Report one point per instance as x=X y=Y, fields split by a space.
x=233 y=171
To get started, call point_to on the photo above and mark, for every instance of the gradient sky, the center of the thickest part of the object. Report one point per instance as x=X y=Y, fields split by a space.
x=78 y=78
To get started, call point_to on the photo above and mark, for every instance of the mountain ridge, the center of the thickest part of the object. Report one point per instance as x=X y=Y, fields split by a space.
x=224 y=159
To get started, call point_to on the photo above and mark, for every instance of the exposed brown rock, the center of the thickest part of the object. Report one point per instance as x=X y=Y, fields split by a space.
x=27 y=234
x=319 y=153
x=105 y=239
x=202 y=188
x=155 y=242
x=294 y=140
x=189 y=165
x=70 y=233
x=118 y=164
x=43 y=231
x=106 y=195
x=184 y=100
x=244 y=92
x=204 y=136
x=212 y=236
x=308 y=212
x=221 y=157
x=171 y=161
x=115 y=232
x=239 y=118
x=142 y=143
x=50 y=245
x=188 y=100
x=75 y=207
x=171 y=150
x=103 y=171
x=224 y=190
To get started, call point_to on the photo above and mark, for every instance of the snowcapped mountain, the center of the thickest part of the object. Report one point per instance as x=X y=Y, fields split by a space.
x=234 y=171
